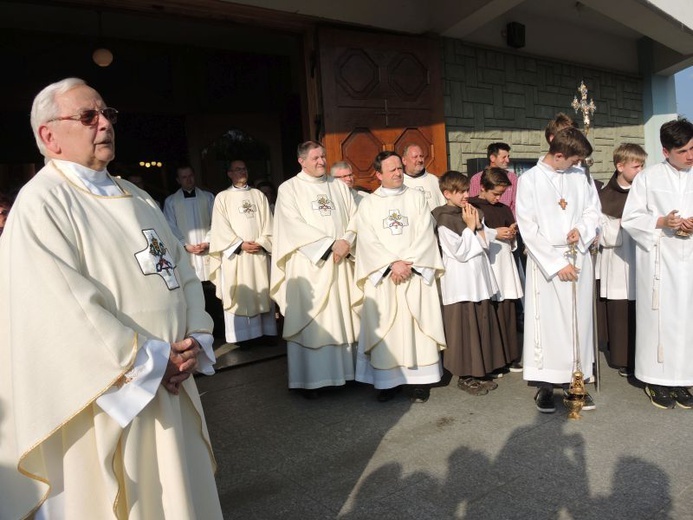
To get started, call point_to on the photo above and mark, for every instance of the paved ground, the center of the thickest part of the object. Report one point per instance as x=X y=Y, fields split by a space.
x=348 y=456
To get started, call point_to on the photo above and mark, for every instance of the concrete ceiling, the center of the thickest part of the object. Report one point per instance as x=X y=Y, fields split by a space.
x=599 y=27
x=600 y=33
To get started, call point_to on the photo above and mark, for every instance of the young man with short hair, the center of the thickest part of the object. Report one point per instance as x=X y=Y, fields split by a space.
x=658 y=214
x=558 y=214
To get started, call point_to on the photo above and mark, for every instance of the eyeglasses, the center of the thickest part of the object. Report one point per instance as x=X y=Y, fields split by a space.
x=90 y=117
x=348 y=175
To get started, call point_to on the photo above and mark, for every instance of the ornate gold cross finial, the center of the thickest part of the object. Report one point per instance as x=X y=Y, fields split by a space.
x=587 y=108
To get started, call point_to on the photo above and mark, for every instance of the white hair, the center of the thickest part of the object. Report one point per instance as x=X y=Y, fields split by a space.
x=44 y=107
x=340 y=165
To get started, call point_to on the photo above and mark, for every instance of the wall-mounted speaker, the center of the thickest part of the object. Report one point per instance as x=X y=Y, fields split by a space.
x=515 y=35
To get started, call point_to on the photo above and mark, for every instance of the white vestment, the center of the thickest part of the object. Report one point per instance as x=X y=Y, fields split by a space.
x=429 y=185
x=468 y=274
x=551 y=332
x=190 y=219
x=242 y=279
x=401 y=325
x=664 y=287
x=314 y=294
x=86 y=281
x=500 y=252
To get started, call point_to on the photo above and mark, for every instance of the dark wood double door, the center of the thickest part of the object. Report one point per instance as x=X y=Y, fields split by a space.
x=380 y=92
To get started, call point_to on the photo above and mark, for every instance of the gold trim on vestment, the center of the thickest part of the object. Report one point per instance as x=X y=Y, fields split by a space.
x=116 y=452
x=25 y=454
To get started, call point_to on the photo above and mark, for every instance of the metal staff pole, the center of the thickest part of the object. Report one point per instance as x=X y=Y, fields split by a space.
x=588 y=108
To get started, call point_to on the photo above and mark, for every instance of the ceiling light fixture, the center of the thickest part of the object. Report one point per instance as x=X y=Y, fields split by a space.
x=101 y=56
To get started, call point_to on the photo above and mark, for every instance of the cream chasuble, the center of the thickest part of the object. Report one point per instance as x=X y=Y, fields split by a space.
x=544 y=224
x=664 y=287
x=85 y=281
x=190 y=219
x=313 y=294
x=401 y=325
x=429 y=185
x=242 y=279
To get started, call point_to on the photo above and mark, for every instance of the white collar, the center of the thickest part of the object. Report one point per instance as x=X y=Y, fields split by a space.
x=96 y=182
x=389 y=192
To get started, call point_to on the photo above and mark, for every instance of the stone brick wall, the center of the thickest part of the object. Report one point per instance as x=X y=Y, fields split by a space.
x=497 y=96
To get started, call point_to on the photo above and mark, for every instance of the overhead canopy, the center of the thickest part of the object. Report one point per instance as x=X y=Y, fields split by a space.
x=602 y=33
x=596 y=32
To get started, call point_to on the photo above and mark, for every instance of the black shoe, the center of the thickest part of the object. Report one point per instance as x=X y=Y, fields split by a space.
x=420 y=394
x=387 y=394
x=660 y=396
x=625 y=372
x=544 y=400
x=498 y=373
x=682 y=396
x=515 y=366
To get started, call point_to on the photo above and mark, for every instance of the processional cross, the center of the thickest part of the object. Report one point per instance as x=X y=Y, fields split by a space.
x=587 y=108
x=575 y=398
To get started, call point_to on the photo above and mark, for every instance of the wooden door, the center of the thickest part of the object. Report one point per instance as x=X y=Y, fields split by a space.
x=380 y=92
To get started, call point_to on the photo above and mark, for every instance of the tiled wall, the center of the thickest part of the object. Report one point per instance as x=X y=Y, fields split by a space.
x=497 y=96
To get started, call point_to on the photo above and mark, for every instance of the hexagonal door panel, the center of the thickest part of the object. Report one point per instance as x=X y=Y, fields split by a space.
x=357 y=73
x=407 y=76
x=359 y=149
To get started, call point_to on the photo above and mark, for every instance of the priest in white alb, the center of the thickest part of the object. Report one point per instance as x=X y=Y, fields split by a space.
x=239 y=249
x=558 y=214
x=312 y=278
x=189 y=212
x=103 y=321
x=416 y=176
x=397 y=265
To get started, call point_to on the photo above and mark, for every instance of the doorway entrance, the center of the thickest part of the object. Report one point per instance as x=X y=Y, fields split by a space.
x=182 y=86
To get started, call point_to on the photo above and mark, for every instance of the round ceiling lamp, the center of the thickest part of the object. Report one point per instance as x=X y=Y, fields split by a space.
x=102 y=57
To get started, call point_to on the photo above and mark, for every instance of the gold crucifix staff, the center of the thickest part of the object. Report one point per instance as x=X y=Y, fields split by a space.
x=575 y=398
x=588 y=108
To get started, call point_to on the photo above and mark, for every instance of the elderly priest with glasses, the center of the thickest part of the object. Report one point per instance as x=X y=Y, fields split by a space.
x=103 y=321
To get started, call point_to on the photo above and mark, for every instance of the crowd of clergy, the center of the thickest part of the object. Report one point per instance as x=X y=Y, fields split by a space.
x=476 y=275
x=452 y=272
x=100 y=417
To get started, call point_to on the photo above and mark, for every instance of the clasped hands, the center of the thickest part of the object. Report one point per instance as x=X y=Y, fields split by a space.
x=507 y=233
x=676 y=222
x=182 y=362
x=400 y=271
x=197 y=249
x=340 y=250
x=251 y=247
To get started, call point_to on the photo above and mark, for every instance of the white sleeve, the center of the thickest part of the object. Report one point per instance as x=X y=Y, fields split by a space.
x=462 y=247
x=124 y=402
x=206 y=358
x=377 y=276
x=231 y=250
x=317 y=249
